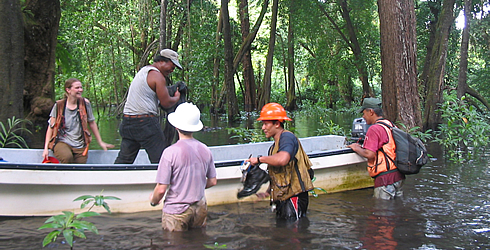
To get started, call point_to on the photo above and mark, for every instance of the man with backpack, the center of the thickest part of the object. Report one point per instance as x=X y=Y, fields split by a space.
x=379 y=149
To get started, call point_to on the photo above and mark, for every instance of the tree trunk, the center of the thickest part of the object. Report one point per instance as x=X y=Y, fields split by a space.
x=463 y=63
x=398 y=61
x=215 y=95
x=435 y=78
x=430 y=45
x=353 y=44
x=265 y=94
x=41 y=33
x=163 y=24
x=231 y=100
x=12 y=63
x=248 y=73
x=356 y=50
x=291 y=90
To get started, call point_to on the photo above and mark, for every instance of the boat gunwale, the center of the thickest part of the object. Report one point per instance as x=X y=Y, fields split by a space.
x=135 y=167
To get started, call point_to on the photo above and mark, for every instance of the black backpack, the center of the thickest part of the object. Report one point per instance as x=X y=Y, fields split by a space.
x=411 y=153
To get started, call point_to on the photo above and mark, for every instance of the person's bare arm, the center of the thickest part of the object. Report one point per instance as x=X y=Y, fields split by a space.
x=370 y=155
x=158 y=193
x=211 y=182
x=280 y=159
x=96 y=133
x=49 y=134
x=157 y=83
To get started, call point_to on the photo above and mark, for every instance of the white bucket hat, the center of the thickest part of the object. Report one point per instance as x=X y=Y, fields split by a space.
x=186 y=117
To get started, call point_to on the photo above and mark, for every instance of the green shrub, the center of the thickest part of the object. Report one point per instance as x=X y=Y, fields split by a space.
x=10 y=135
x=464 y=130
x=70 y=225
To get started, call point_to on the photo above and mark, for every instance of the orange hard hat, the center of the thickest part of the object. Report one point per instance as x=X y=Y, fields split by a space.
x=273 y=111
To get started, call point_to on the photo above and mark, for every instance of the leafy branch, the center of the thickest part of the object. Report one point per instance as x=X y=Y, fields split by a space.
x=70 y=225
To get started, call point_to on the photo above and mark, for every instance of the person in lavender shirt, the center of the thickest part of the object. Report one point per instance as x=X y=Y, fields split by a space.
x=185 y=170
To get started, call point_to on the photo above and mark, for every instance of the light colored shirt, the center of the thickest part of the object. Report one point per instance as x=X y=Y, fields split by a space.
x=141 y=98
x=71 y=134
x=185 y=166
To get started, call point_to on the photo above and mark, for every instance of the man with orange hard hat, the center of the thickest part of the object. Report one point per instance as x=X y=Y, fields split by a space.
x=288 y=165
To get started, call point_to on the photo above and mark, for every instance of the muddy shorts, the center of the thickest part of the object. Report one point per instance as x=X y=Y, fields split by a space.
x=193 y=217
x=389 y=192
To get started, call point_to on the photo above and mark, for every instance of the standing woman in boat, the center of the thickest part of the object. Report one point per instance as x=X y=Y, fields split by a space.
x=67 y=134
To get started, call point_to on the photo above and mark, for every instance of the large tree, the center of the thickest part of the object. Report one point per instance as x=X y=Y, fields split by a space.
x=231 y=100
x=12 y=63
x=349 y=35
x=40 y=38
x=463 y=86
x=265 y=93
x=291 y=82
x=398 y=61
x=248 y=72
x=437 y=63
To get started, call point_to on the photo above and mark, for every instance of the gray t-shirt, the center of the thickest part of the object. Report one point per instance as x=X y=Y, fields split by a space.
x=71 y=134
x=141 y=98
x=184 y=166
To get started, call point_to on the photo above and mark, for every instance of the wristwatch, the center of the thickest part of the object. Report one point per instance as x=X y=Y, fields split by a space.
x=153 y=204
x=258 y=159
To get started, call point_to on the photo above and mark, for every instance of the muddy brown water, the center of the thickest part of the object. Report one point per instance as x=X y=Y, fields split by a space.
x=446 y=206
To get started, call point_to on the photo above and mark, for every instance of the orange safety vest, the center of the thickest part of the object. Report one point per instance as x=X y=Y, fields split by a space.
x=381 y=164
x=60 y=118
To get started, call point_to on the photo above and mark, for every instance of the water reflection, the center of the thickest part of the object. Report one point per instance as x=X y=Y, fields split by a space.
x=380 y=226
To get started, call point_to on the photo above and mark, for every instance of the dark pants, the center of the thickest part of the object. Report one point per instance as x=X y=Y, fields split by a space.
x=137 y=133
x=292 y=208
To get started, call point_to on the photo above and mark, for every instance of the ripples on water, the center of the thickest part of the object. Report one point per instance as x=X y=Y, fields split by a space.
x=446 y=206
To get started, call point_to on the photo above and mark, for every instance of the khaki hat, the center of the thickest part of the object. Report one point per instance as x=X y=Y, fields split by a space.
x=370 y=103
x=172 y=55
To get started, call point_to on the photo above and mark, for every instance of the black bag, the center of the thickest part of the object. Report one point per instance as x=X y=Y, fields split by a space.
x=411 y=153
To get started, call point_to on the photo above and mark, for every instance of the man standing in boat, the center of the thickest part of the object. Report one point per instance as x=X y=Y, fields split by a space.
x=186 y=168
x=140 y=127
x=378 y=144
x=288 y=166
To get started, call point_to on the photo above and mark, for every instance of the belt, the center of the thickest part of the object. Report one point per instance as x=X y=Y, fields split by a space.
x=138 y=116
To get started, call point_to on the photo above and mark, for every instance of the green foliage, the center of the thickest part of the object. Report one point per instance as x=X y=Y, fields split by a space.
x=70 y=225
x=425 y=136
x=216 y=245
x=98 y=200
x=330 y=128
x=313 y=191
x=247 y=135
x=10 y=135
x=464 y=130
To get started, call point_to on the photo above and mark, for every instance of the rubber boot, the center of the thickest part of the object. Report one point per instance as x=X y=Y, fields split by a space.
x=254 y=180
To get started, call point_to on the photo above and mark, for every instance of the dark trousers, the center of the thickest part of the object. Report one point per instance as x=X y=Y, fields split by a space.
x=292 y=208
x=137 y=133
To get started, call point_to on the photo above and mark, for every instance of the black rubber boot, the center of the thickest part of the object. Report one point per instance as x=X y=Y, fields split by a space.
x=254 y=180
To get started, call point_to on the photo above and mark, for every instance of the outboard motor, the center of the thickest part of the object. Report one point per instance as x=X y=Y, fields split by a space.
x=359 y=129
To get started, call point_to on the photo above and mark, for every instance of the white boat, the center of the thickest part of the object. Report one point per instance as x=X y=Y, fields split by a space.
x=30 y=188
